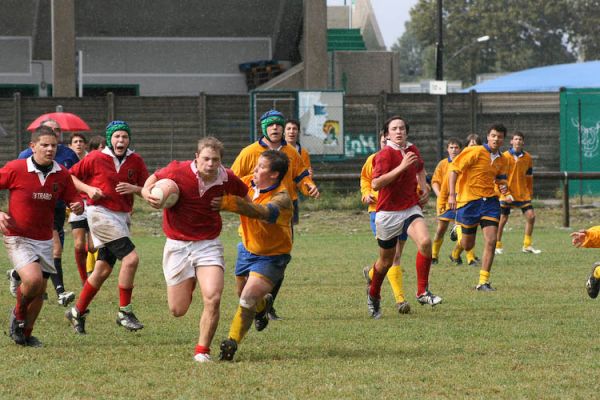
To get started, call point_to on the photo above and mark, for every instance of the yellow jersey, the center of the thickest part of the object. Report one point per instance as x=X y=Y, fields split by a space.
x=440 y=176
x=366 y=176
x=592 y=237
x=520 y=175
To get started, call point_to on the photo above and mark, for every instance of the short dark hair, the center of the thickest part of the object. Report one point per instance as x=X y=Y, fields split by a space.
x=278 y=162
x=455 y=141
x=473 y=136
x=79 y=135
x=96 y=141
x=40 y=131
x=519 y=133
x=386 y=124
x=293 y=121
x=498 y=127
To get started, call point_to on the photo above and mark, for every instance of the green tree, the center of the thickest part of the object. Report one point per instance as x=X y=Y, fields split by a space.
x=411 y=55
x=524 y=34
x=586 y=27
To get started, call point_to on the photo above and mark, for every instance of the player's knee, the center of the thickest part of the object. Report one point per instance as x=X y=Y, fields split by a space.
x=425 y=246
x=248 y=303
x=79 y=246
x=212 y=301
x=178 y=310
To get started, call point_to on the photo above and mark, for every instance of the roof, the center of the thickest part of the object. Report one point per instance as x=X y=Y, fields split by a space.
x=545 y=79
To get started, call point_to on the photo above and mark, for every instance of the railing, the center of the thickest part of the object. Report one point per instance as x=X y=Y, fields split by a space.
x=563 y=176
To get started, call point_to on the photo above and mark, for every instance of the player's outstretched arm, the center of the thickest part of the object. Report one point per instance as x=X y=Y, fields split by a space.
x=243 y=206
x=145 y=193
x=586 y=238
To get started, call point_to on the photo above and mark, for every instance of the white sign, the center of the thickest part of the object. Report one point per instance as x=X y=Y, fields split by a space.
x=438 y=87
x=321 y=117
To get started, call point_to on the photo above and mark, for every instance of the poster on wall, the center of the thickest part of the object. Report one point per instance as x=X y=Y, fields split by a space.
x=321 y=117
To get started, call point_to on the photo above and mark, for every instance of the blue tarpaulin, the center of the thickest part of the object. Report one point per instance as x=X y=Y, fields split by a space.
x=545 y=79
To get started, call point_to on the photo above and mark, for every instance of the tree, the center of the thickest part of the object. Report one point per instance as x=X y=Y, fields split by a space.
x=524 y=34
x=411 y=55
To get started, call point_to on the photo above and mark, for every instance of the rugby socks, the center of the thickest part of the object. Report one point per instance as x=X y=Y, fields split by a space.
x=423 y=265
x=125 y=296
x=276 y=288
x=437 y=245
x=498 y=244
x=597 y=272
x=376 y=281
x=91 y=261
x=394 y=275
x=484 y=277
x=242 y=321
x=527 y=241
x=456 y=252
x=470 y=256
x=22 y=304
x=85 y=298
x=201 y=349
x=80 y=260
x=57 y=279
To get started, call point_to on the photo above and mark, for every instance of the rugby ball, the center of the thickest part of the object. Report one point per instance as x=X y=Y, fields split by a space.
x=167 y=191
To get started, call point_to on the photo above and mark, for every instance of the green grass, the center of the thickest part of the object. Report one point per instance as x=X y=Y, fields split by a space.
x=536 y=337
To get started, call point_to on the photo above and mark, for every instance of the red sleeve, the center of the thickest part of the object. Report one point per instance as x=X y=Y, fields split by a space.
x=143 y=175
x=167 y=172
x=70 y=194
x=381 y=163
x=7 y=175
x=420 y=163
x=236 y=185
x=79 y=170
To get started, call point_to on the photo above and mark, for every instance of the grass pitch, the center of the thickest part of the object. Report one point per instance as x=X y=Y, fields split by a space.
x=536 y=337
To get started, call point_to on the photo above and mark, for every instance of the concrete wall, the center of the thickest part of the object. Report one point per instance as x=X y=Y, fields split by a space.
x=363 y=17
x=365 y=72
x=338 y=17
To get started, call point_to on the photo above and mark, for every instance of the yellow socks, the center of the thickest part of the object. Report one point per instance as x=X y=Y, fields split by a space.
x=242 y=321
x=456 y=252
x=435 y=250
x=484 y=277
x=597 y=272
x=394 y=275
x=470 y=256
x=498 y=244
x=527 y=241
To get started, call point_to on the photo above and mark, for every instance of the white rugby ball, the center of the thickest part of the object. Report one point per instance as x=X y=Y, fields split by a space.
x=167 y=191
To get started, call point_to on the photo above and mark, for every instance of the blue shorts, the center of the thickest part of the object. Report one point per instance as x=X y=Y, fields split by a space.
x=448 y=215
x=523 y=205
x=271 y=267
x=472 y=213
x=403 y=236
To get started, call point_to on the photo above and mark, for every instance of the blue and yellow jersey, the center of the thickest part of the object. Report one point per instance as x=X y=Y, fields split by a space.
x=592 y=237
x=440 y=176
x=479 y=171
x=366 y=176
x=266 y=223
x=296 y=178
x=520 y=175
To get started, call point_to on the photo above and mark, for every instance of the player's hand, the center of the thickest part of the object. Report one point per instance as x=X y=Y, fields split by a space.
x=368 y=199
x=150 y=199
x=313 y=191
x=423 y=198
x=76 y=207
x=452 y=201
x=95 y=193
x=577 y=238
x=127 y=188
x=409 y=159
x=216 y=202
x=5 y=222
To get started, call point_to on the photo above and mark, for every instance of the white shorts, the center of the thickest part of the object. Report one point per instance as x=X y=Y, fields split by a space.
x=76 y=218
x=107 y=225
x=181 y=258
x=23 y=251
x=390 y=224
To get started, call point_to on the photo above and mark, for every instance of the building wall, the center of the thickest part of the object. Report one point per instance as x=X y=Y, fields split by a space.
x=364 y=72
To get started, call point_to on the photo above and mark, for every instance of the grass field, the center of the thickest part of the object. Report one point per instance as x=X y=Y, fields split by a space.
x=536 y=337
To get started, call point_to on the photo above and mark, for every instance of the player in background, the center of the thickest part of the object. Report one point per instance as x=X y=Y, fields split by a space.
x=439 y=184
x=110 y=178
x=193 y=252
x=35 y=185
x=67 y=158
x=369 y=197
x=297 y=177
x=474 y=198
x=266 y=244
x=291 y=132
x=82 y=241
x=589 y=238
x=398 y=169
x=472 y=139
x=520 y=185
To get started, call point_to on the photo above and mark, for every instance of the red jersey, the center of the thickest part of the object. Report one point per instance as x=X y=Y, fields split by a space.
x=32 y=198
x=401 y=193
x=102 y=169
x=192 y=217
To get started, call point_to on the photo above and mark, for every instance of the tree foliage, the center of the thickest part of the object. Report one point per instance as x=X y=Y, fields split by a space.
x=524 y=34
